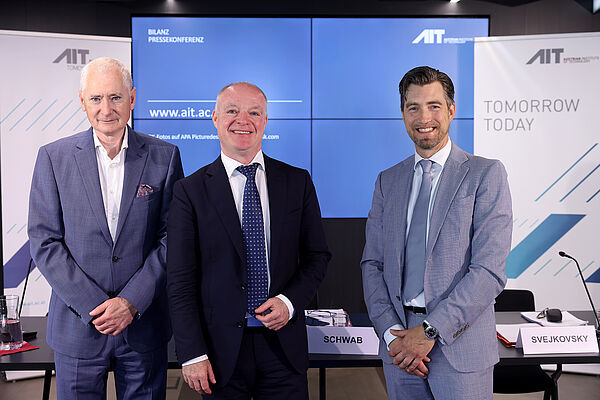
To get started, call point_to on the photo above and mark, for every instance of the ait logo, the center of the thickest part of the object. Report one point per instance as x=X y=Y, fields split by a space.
x=430 y=36
x=75 y=58
x=547 y=56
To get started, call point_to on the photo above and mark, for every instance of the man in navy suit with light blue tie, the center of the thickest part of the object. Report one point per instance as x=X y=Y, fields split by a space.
x=437 y=238
x=97 y=229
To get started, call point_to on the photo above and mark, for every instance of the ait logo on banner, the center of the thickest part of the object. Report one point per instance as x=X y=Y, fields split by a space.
x=75 y=59
x=547 y=56
x=555 y=56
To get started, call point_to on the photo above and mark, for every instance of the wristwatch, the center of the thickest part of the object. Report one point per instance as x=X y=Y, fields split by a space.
x=430 y=331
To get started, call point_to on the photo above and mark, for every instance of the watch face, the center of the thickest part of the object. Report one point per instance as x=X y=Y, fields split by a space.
x=430 y=331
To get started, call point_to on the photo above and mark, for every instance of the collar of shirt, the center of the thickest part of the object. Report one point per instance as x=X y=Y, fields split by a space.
x=230 y=164
x=439 y=158
x=124 y=144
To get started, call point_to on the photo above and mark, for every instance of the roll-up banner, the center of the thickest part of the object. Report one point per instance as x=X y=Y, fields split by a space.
x=535 y=109
x=39 y=103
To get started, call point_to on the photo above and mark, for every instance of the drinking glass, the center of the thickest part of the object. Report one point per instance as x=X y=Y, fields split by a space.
x=11 y=335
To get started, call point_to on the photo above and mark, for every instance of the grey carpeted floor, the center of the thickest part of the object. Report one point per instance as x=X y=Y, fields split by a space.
x=342 y=384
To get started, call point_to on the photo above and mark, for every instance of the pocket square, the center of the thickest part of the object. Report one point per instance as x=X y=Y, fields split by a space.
x=144 y=190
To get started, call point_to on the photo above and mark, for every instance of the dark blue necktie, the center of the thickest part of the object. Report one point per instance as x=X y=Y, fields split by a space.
x=416 y=243
x=254 y=240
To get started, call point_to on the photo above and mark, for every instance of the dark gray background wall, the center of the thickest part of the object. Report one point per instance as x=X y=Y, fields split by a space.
x=342 y=286
x=112 y=18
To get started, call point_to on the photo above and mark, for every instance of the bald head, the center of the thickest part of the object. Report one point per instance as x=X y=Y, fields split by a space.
x=234 y=85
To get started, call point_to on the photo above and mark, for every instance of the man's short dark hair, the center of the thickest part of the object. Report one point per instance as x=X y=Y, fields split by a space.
x=422 y=76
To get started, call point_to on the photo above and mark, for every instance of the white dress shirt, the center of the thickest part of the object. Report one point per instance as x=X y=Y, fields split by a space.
x=237 y=182
x=111 y=173
x=439 y=160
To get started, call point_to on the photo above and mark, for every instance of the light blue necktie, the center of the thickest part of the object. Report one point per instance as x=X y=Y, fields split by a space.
x=254 y=240
x=416 y=243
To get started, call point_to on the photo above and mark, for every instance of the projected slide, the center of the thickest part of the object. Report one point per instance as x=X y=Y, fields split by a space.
x=358 y=63
x=332 y=86
x=180 y=64
x=199 y=144
x=348 y=155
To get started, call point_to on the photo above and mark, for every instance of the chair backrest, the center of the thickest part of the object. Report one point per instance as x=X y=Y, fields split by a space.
x=515 y=300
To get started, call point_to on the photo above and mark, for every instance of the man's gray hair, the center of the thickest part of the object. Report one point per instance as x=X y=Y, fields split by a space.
x=238 y=84
x=103 y=64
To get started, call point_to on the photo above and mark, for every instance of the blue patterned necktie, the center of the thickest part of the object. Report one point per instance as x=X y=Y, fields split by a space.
x=254 y=240
x=416 y=243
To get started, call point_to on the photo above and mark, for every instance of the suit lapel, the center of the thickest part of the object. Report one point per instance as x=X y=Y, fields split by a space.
x=453 y=174
x=85 y=157
x=219 y=193
x=276 y=187
x=135 y=160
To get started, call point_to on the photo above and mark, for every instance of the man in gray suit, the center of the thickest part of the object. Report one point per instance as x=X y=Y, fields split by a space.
x=437 y=238
x=97 y=230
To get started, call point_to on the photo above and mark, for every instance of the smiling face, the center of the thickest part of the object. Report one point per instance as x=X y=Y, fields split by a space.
x=107 y=101
x=240 y=117
x=427 y=117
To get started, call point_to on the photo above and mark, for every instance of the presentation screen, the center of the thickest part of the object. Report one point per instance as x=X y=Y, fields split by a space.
x=331 y=84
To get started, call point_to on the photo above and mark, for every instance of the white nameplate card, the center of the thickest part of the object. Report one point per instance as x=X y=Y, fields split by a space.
x=564 y=339
x=342 y=340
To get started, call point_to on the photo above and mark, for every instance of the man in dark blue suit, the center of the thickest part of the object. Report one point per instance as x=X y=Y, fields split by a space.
x=97 y=229
x=246 y=254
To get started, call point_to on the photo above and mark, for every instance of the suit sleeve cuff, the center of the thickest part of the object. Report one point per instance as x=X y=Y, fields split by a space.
x=203 y=357
x=388 y=336
x=288 y=304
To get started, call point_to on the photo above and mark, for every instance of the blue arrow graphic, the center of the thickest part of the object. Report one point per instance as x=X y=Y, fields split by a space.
x=539 y=241
x=595 y=277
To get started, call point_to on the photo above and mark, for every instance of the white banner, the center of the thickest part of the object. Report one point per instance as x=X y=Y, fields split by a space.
x=535 y=105
x=39 y=103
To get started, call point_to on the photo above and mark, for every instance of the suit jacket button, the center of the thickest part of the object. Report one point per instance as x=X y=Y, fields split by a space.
x=240 y=325
x=115 y=259
x=243 y=286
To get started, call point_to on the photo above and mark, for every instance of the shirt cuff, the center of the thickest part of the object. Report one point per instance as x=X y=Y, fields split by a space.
x=195 y=360
x=389 y=336
x=288 y=304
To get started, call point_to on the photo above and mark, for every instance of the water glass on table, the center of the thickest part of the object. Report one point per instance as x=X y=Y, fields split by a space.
x=11 y=335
